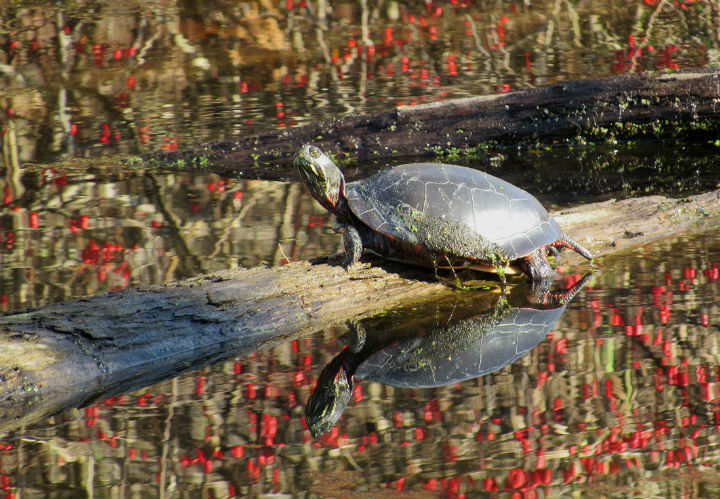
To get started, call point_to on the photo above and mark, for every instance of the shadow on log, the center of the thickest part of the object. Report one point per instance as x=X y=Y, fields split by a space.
x=668 y=105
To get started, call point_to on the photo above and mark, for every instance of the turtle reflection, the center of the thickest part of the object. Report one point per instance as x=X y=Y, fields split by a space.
x=451 y=350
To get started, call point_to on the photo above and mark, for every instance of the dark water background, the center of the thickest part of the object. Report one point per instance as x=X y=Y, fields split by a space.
x=621 y=399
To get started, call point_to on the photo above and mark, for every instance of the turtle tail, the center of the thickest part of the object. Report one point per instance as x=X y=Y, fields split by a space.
x=567 y=242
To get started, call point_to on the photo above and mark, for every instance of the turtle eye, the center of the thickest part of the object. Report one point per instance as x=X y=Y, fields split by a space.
x=315 y=152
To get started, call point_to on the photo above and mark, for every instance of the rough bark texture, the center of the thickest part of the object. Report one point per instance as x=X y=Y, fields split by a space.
x=674 y=105
x=70 y=353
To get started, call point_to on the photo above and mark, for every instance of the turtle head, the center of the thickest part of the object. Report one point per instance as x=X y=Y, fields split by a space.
x=321 y=175
x=330 y=396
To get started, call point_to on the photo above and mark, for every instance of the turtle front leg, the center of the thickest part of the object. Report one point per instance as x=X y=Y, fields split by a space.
x=353 y=247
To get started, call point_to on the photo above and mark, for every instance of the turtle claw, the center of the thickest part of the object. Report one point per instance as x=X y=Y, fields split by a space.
x=350 y=266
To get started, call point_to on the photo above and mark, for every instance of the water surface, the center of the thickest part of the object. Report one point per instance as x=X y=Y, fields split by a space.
x=620 y=399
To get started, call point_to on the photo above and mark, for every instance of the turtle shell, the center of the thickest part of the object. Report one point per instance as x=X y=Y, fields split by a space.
x=426 y=361
x=452 y=196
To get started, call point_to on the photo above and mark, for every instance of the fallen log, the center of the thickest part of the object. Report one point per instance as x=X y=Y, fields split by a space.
x=69 y=354
x=628 y=107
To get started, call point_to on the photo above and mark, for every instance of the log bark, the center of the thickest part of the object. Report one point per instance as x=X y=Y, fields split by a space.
x=71 y=353
x=666 y=105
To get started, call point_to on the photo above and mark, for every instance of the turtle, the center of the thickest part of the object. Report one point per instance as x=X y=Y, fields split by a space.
x=437 y=215
x=464 y=345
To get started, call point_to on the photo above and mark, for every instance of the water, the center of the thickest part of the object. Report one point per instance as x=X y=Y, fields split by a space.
x=619 y=400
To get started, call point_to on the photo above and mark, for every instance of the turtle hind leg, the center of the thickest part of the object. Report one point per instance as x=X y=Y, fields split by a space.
x=352 y=242
x=537 y=266
x=566 y=241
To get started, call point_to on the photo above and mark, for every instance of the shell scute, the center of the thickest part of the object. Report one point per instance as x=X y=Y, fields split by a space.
x=403 y=201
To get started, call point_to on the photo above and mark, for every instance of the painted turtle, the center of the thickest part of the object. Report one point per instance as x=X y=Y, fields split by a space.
x=467 y=345
x=437 y=215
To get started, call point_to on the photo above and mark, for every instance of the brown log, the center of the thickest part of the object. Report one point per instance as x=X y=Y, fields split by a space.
x=665 y=105
x=71 y=353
